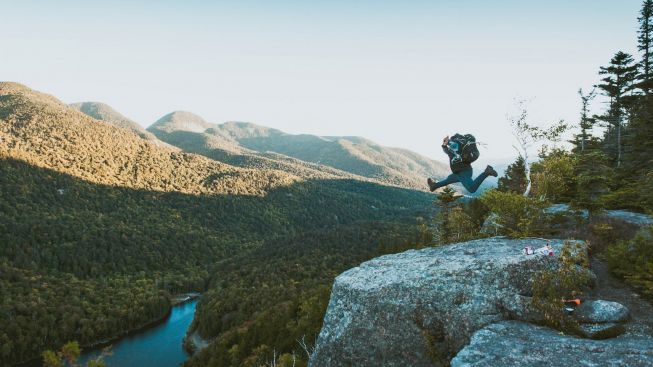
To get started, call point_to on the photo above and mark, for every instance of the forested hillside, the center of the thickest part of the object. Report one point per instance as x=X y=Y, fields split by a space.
x=355 y=155
x=104 y=112
x=98 y=227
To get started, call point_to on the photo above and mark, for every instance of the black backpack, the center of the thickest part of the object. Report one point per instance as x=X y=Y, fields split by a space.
x=467 y=147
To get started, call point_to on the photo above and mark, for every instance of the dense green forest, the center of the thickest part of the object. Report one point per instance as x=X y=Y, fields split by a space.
x=99 y=227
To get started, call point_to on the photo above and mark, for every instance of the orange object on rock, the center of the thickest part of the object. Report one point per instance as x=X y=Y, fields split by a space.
x=574 y=302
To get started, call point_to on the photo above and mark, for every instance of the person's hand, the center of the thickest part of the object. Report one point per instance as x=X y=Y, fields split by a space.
x=445 y=141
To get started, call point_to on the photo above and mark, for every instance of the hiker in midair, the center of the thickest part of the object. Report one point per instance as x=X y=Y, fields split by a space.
x=462 y=151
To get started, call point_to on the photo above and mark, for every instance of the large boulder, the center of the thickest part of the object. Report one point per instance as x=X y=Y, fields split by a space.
x=491 y=225
x=600 y=311
x=514 y=343
x=420 y=307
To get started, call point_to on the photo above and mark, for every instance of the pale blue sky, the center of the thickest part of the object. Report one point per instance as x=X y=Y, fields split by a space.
x=402 y=73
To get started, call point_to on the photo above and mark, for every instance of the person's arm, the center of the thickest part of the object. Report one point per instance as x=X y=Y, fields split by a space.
x=445 y=145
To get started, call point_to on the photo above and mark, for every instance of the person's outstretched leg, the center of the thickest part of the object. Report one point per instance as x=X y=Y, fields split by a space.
x=472 y=186
x=433 y=185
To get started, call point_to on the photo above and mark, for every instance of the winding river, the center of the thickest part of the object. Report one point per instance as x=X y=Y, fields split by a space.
x=159 y=346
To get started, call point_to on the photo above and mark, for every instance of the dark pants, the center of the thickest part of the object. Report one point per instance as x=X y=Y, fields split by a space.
x=465 y=178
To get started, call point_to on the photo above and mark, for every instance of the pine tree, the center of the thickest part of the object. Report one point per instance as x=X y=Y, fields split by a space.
x=638 y=156
x=587 y=122
x=446 y=202
x=618 y=85
x=592 y=173
x=645 y=39
x=514 y=179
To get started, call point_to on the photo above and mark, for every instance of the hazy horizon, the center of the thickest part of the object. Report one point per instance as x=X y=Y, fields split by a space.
x=402 y=75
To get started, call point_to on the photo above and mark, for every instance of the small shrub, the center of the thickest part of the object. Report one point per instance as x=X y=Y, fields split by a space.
x=519 y=216
x=633 y=261
x=554 y=177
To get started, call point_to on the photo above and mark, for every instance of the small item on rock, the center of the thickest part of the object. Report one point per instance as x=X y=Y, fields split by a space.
x=545 y=250
x=570 y=304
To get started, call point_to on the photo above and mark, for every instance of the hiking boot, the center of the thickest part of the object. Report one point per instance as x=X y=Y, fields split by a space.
x=431 y=184
x=490 y=171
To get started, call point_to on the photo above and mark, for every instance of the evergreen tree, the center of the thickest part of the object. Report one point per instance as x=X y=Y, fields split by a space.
x=639 y=155
x=446 y=202
x=645 y=39
x=586 y=121
x=634 y=186
x=514 y=179
x=618 y=85
x=592 y=172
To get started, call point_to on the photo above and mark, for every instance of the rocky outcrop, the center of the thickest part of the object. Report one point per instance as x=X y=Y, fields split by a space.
x=630 y=217
x=513 y=343
x=600 y=311
x=601 y=331
x=420 y=307
x=623 y=215
x=600 y=319
x=491 y=225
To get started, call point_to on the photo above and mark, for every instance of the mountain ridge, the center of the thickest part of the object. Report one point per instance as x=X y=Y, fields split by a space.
x=356 y=155
x=104 y=112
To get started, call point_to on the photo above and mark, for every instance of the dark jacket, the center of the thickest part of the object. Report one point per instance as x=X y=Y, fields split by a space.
x=458 y=166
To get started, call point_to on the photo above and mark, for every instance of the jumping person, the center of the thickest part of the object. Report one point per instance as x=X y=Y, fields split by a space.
x=460 y=163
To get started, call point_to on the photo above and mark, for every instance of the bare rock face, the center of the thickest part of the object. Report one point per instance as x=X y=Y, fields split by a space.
x=601 y=330
x=514 y=343
x=623 y=215
x=420 y=307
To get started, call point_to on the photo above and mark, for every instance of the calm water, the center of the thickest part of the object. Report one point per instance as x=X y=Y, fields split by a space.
x=159 y=346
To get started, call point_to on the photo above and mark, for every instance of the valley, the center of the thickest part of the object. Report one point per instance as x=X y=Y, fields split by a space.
x=100 y=227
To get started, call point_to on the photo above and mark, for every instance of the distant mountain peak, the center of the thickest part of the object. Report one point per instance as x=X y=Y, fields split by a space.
x=181 y=121
x=9 y=88
x=104 y=112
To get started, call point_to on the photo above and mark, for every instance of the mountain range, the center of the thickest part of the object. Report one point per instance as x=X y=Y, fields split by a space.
x=249 y=145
